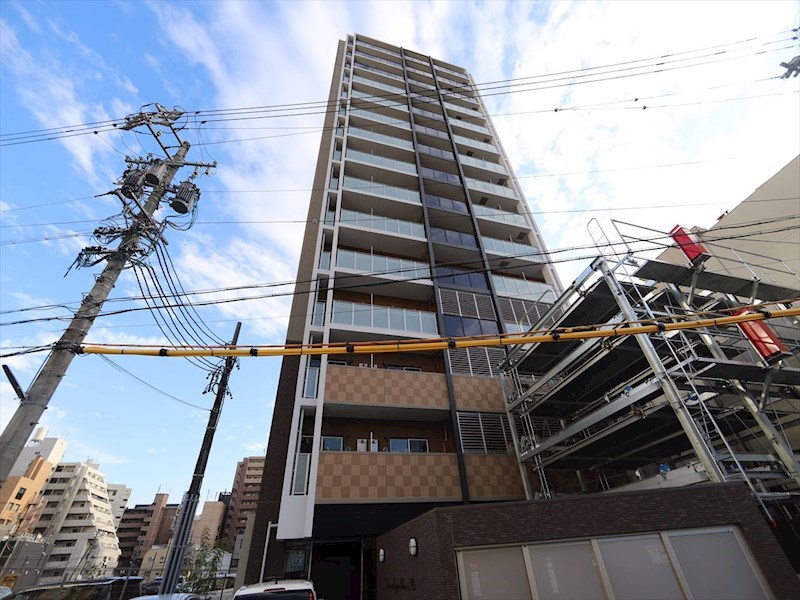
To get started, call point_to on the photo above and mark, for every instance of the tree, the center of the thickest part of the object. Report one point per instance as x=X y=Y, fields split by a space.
x=202 y=563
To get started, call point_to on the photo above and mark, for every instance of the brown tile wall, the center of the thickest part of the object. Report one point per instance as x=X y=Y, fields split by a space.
x=383 y=476
x=478 y=393
x=438 y=433
x=381 y=387
x=433 y=574
x=494 y=477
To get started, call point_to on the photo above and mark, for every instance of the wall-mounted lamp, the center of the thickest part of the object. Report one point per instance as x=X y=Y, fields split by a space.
x=381 y=555
x=412 y=546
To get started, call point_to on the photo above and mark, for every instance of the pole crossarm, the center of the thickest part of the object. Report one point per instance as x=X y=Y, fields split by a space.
x=556 y=335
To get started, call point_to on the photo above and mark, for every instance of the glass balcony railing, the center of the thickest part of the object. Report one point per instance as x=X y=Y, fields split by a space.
x=463 y=110
x=458 y=206
x=419 y=72
x=447 y=82
x=427 y=114
x=330 y=217
x=401 y=268
x=382 y=49
x=471 y=126
x=334 y=183
x=421 y=84
x=497 y=246
x=381 y=118
x=437 y=152
x=379 y=137
x=423 y=98
x=464 y=97
x=446 y=70
x=482 y=164
x=379 y=223
x=416 y=60
x=499 y=215
x=381 y=189
x=391 y=63
x=318 y=318
x=492 y=188
x=384 y=317
x=442 y=176
x=456 y=238
x=377 y=84
x=381 y=161
x=325 y=260
x=389 y=74
x=379 y=101
x=460 y=139
x=432 y=132
x=535 y=290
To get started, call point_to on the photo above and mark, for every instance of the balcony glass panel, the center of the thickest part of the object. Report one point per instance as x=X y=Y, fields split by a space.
x=381 y=161
x=482 y=164
x=325 y=260
x=379 y=85
x=399 y=319
x=427 y=114
x=446 y=70
x=318 y=318
x=419 y=71
x=506 y=247
x=469 y=99
x=447 y=236
x=437 y=152
x=379 y=137
x=433 y=132
x=337 y=155
x=383 y=265
x=378 y=223
x=368 y=45
x=381 y=189
x=463 y=110
x=475 y=143
x=470 y=126
x=377 y=59
x=330 y=217
x=447 y=82
x=380 y=101
x=334 y=184
x=442 y=176
x=499 y=215
x=375 y=116
x=421 y=84
x=380 y=71
x=416 y=60
x=458 y=206
x=492 y=188
x=523 y=287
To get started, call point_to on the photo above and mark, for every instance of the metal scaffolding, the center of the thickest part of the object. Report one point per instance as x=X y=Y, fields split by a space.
x=669 y=408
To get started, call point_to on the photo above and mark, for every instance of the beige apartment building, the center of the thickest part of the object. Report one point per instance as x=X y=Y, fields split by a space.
x=417 y=229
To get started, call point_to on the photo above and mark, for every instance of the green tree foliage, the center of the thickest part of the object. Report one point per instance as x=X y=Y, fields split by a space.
x=202 y=563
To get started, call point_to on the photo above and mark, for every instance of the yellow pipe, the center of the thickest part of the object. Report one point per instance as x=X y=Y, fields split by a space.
x=558 y=335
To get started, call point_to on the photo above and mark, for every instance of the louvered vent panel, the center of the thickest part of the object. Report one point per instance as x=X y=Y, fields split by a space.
x=495 y=356
x=485 y=307
x=449 y=302
x=466 y=302
x=469 y=427
x=479 y=361
x=495 y=436
x=459 y=361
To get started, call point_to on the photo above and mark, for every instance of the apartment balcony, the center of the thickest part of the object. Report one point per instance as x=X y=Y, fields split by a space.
x=497 y=223
x=477 y=168
x=494 y=477
x=468 y=144
x=393 y=198
x=368 y=477
x=448 y=70
x=396 y=277
x=387 y=77
x=376 y=61
x=366 y=387
x=371 y=321
x=365 y=99
x=388 y=234
x=470 y=127
x=492 y=190
x=382 y=138
x=396 y=169
x=422 y=72
x=454 y=246
x=523 y=288
x=462 y=110
x=360 y=45
x=370 y=118
x=377 y=88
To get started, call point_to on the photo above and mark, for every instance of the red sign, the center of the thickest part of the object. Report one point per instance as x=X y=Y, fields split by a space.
x=762 y=336
x=690 y=244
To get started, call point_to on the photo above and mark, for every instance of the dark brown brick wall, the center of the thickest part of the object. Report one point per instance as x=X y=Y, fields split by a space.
x=433 y=574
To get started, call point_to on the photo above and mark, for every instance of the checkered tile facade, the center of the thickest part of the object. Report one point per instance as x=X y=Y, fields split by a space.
x=381 y=387
x=478 y=393
x=494 y=477
x=384 y=476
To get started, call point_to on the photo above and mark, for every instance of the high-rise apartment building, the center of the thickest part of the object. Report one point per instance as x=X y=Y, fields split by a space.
x=142 y=527
x=78 y=523
x=417 y=229
x=243 y=501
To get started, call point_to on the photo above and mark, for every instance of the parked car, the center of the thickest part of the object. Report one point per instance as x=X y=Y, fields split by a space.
x=5 y=591
x=104 y=588
x=151 y=587
x=169 y=597
x=277 y=589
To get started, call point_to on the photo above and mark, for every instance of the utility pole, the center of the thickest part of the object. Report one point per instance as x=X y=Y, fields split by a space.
x=180 y=539
x=159 y=174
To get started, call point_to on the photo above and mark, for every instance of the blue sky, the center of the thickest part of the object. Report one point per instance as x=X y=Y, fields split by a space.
x=713 y=130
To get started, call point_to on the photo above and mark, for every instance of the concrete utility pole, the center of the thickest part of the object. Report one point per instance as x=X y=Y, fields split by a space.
x=34 y=402
x=180 y=539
